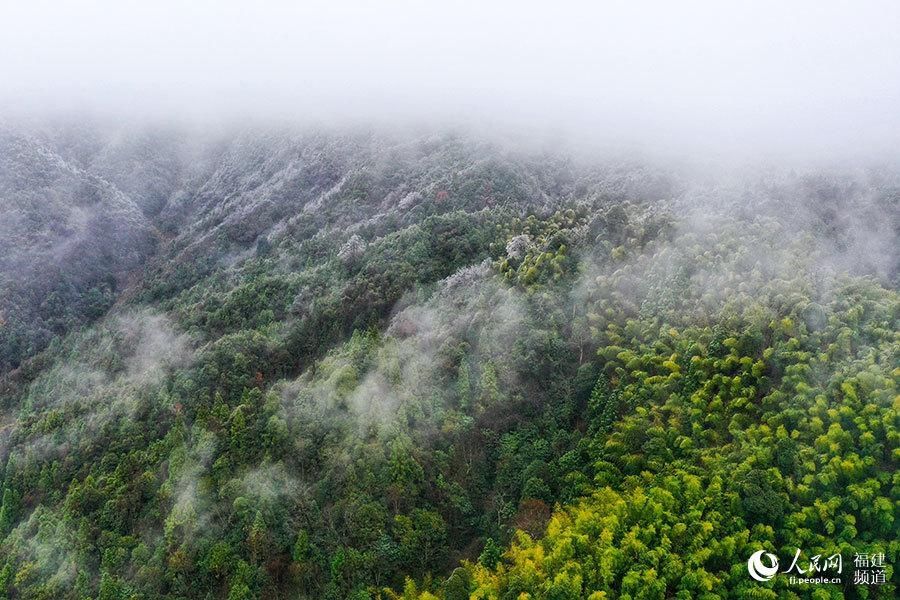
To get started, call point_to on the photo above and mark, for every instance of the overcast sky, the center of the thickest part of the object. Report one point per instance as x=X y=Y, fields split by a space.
x=817 y=75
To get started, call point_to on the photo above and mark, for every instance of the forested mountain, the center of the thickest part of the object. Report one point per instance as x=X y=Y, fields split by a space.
x=344 y=364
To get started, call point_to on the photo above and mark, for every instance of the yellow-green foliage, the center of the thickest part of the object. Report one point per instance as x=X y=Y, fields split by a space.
x=777 y=435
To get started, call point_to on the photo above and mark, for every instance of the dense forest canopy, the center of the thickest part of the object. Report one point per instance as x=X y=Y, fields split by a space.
x=344 y=364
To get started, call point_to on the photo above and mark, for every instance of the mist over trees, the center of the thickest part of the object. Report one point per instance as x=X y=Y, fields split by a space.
x=346 y=363
x=508 y=300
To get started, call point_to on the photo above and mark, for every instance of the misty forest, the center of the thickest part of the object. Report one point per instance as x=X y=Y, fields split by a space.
x=339 y=363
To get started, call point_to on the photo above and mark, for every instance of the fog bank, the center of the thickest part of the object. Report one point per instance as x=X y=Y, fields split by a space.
x=700 y=77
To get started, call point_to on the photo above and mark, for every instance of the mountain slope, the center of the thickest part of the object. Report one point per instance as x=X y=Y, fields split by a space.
x=68 y=238
x=336 y=364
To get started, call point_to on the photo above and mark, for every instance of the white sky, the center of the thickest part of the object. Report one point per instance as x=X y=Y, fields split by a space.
x=819 y=76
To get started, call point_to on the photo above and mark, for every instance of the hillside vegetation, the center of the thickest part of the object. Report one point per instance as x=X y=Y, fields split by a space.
x=360 y=365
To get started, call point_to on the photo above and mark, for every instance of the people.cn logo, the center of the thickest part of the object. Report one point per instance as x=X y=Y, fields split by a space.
x=759 y=570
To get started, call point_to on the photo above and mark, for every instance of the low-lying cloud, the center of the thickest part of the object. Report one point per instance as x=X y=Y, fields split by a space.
x=814 y=78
